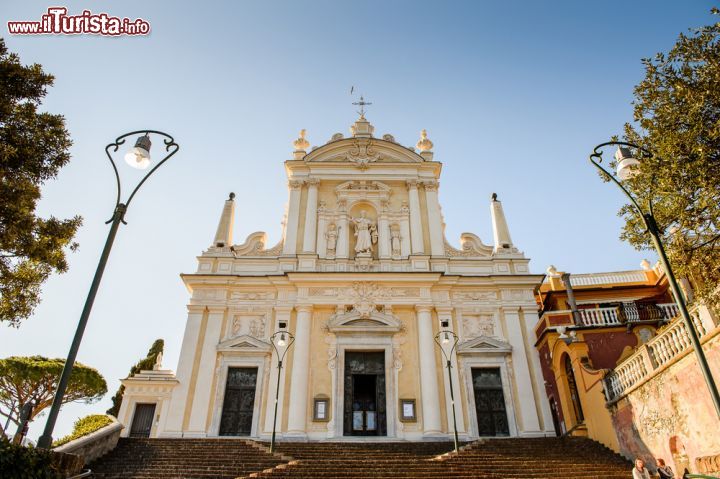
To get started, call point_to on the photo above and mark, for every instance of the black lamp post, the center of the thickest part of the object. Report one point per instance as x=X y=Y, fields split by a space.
x=447 y=341
x=626 y=164
x=138 y=157
x=281 y=342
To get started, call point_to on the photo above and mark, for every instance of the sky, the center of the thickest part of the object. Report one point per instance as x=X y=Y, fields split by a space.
x=514 y=95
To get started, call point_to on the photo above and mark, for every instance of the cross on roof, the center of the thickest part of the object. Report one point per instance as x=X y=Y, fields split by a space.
x=362 y=103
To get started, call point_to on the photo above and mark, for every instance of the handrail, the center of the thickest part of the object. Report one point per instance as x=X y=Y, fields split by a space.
x=698 y=476
x=85 y=473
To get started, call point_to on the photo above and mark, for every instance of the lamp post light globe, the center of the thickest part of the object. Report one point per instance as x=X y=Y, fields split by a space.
x=137 y=157
x=627 y=167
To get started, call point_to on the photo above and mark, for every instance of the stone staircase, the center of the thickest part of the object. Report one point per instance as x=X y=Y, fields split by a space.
x=556 y=458
x=184 y=458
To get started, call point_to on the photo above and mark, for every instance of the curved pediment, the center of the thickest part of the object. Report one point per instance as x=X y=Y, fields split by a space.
x=362 y=152
x=356 y=322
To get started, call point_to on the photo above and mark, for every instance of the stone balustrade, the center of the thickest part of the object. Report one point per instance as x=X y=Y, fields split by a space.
x=652 y=356
x=600 y=317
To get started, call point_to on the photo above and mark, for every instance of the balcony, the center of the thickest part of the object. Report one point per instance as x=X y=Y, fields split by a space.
x=624 y=314
x=627 y=313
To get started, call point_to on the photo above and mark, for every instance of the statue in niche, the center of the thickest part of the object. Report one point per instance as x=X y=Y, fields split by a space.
x=331 y=237
x=395 y=240
x=364 y=237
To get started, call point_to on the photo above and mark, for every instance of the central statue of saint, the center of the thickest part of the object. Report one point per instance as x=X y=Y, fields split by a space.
x=365 y=233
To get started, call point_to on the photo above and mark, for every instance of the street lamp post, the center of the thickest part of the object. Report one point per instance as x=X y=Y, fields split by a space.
x=447 y=341
x=281 y=342
x=626 y=164
x=138 y=157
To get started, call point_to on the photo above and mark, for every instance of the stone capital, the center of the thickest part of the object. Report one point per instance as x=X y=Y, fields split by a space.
x=195 y=309
x=312 y=182
x=423 y=308
x=411 y=184
x=304 y=308
x=295 y=184
x=431 y=185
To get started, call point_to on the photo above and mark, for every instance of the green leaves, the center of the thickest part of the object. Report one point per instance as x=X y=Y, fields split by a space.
x=677 y=115
x=144 y=364
x=33 y=148
x=85 y=426
x=34 y=378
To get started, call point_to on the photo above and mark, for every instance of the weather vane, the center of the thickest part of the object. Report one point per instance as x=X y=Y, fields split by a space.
x=362 y=103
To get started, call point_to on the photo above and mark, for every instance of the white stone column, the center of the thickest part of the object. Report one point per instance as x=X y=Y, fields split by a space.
x=437 y=242
x=291 y=227
x=446 y=315
x=404 y=237
x=178 y=401
x=205 y=373
x=281 y=314
x=521 y=373
x=416 y=232
x=310 y=232
x=383 y=237
x=321 y=227
x=531 y=319
x=343 y=242
x=297 y=417
x=428 y=372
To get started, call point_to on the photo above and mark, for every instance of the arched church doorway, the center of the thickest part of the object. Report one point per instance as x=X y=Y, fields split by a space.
x=573 y=391
x=365 y=409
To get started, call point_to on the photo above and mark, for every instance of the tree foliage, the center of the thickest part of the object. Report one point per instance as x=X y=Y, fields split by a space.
x=677 y=118
x=144 y=364
x=84 y=426
x=19 y=462
x=33 y=147
x=34 y=378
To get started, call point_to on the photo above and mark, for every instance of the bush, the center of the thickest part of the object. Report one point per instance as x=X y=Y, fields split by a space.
x=85 y=426
x=18 y=462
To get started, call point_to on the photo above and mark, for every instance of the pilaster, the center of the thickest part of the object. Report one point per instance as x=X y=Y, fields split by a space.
x=281 y=314
x=310 y=232
x=291 y=227
x=297 y=417
x=521 y=369
x=416 y=231
x=206 y=372
x=428 y=372
x=343 y=243
x=178 y=402
x=445 y=314
x=437 y=241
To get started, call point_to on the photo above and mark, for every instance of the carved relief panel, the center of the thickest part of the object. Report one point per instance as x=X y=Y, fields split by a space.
x=250 y=324
x=475 y=325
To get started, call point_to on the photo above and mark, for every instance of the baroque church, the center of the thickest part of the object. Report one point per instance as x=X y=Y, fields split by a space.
x=353 y=305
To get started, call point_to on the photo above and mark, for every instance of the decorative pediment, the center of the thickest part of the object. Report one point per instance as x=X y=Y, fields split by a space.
x=374 y=322
x=484 y=345
x=244 y=344
x=362 y=152
x=471 y=246
x=254 y=245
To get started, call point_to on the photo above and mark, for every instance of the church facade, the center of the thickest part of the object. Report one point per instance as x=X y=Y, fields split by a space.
x=363 y=280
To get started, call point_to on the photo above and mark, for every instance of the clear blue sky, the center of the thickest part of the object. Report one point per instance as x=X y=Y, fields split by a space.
x=514 y=95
